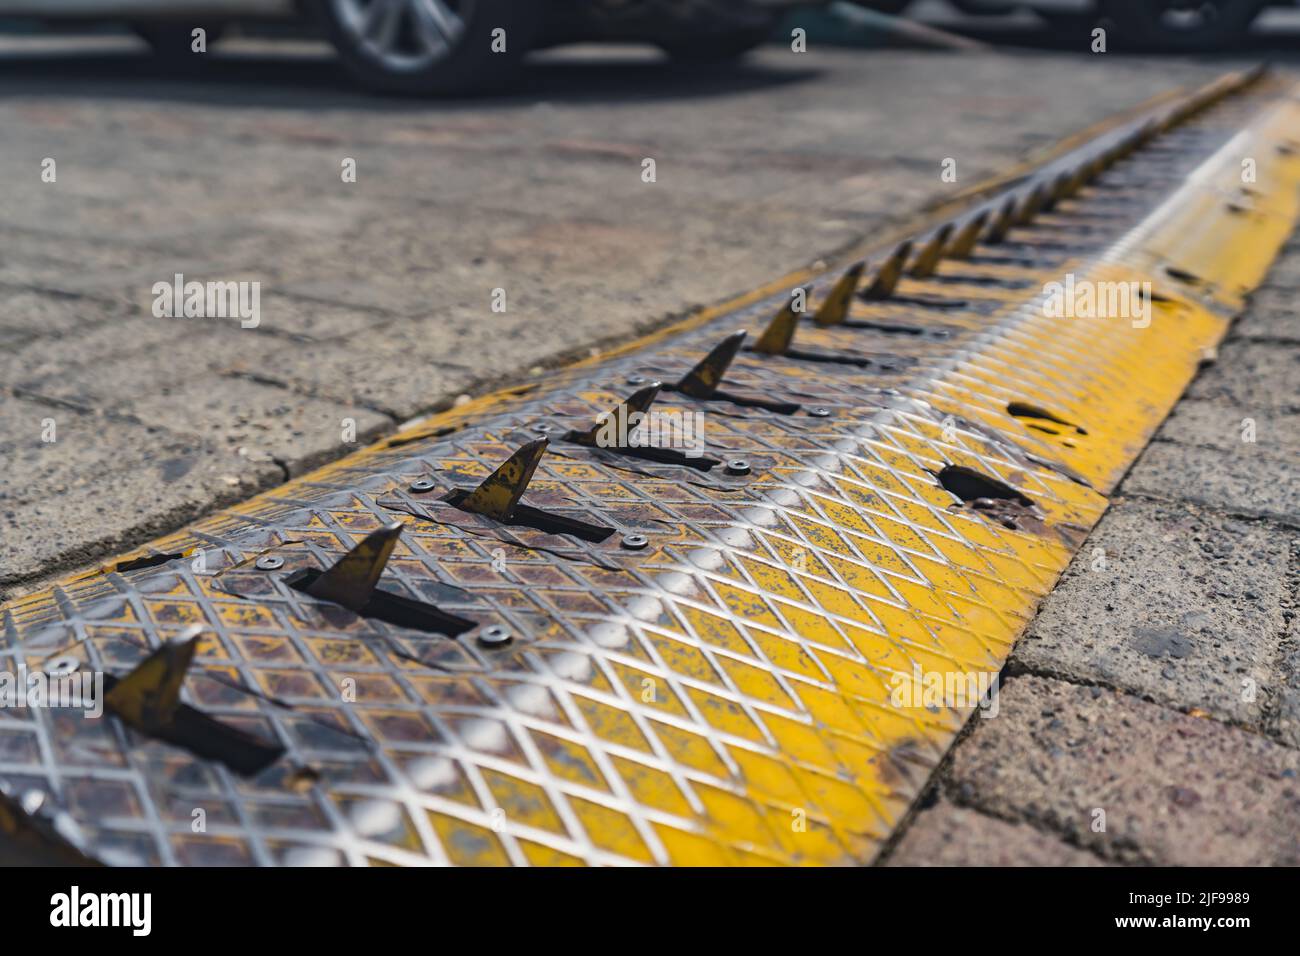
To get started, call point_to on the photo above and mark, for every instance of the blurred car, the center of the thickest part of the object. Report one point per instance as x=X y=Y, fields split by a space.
x=444 y=46
x=1168 y=24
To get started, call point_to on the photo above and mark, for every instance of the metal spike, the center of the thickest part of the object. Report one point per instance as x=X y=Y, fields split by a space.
x=836 y=307
x=1002 y=222
x=963 y=244
x=1032 y=205
x=351 y=581
x=500 y=491
x=777 y=337
x=887 y=276
x=1058 y=190
x=927 y=260
x=1074 y=181
x=703 y=380
x=1053 y=191
x=638 y=402
x=147 y=698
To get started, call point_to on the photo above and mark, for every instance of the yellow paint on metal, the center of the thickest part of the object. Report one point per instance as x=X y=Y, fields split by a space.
x=739 y=692
x=149 y=696
x=776 y=338
x=500 y=492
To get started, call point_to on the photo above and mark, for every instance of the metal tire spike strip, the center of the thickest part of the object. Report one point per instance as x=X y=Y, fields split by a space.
x=733 y=660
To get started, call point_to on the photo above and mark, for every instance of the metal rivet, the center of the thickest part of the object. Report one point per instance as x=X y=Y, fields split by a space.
x=269 y=562
x=819 y=412
x=423 y=484
x=542 y=428
x=634 y=542
x=737 y=466
x=636 y=379
x=494 y=635
x=61 y=665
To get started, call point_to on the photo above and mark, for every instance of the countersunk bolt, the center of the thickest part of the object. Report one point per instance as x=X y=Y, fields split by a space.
x=62 y=665
x=634 y=542
x=737 y=466
x=819 y=412
x=423 y=484
x=269 y=562
x=494 y=636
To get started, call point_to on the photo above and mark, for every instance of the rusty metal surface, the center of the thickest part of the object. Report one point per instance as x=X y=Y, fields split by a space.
x=585 y=655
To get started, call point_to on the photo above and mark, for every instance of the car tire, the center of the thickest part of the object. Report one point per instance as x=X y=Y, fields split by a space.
x=1069 y=24
x=1172 y=25
x=431 y=46
x=982 y=8
x=892 y=7
x=718 y=47
x=174 y=40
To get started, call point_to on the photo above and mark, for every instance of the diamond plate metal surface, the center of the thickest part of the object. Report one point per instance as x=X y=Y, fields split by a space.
x=720 y=694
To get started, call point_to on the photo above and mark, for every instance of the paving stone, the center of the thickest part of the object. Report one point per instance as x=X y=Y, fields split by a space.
x=1171 y=602
x=948 y=835
x=1275 y=435
x=1255 y=377
x=81 y=365
x=1285 y=723
x=262 y=422
x=1250 y=483
x=54 y=451
x=1274 y=313
x=47 y=313
x=1175 y=789
x=127 y=508
x=384 y=375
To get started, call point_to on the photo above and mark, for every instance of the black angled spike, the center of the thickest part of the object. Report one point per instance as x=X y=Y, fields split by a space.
x=703 y=380
x=351 y=581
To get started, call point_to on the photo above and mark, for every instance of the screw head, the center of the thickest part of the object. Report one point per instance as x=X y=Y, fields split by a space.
x=423 y=484
x=62 y=665
x=541 y=428
x=636 y=379
x=634 y=542
x=737 y=466
x=819 y=412
x=270 y=562
x=494 y=636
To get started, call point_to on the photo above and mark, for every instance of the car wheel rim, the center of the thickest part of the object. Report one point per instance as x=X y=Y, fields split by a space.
x=405 y=35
